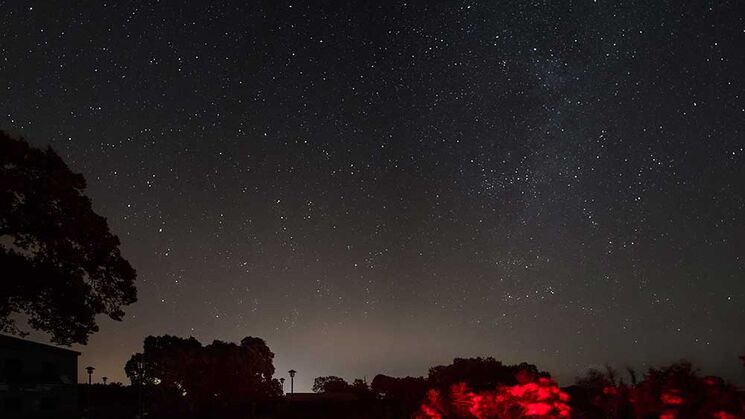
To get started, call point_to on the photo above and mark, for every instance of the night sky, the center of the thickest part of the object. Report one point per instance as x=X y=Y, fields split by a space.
x=378 y=187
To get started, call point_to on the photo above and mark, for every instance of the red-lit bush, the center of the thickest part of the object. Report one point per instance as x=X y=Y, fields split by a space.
x=678 y=392
x=673 y=392
x=541 y=398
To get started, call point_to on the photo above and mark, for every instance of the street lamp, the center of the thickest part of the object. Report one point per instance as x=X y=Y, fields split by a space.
x=90 y=374
x=282 y=382
x=140 y=381
x=104 y=379
x=292 y=381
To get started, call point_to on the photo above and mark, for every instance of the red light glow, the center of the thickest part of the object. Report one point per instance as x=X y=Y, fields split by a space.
x=537 y=399
x=671 y=399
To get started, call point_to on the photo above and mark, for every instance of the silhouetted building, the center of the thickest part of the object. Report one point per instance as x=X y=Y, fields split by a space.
x=36 y=380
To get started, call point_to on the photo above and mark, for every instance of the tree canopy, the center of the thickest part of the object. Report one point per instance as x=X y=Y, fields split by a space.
x=330 y=384
x=481 y=373
x=211 y=376
x=61 y=265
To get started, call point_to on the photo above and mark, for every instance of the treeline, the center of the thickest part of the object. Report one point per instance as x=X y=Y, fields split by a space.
x=485 y=388
x=182 y=377
x=675 y=391
x=479 y=373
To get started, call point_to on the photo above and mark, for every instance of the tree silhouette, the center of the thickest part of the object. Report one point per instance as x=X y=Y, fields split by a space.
x=598 y=379
x=61 y=265
x=481 y=373
x=165 y=359
x=361 y=388
x=632 y=375
x=679 y=391
x=676 y=391
x=330 y=384
x=212 y=377
x=600 y=394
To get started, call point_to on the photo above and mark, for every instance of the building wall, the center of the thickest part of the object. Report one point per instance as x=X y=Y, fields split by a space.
x=36 y=380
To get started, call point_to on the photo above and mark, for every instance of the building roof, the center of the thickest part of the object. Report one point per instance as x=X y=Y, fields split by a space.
x=12 y=341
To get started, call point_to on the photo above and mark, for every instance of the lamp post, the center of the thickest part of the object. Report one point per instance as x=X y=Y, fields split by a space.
x=90 y=374
x=292 y=381
x=88 y=390
x=104 y=379
x=140 y=382
x=282 y=382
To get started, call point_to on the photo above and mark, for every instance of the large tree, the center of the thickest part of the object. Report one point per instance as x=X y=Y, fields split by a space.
x=215 y=376
x=60 y=266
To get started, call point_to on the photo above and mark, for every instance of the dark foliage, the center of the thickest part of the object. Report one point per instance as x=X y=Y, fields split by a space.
x=60 y=264
x=675 y=391
x=171 y=368
x=477 y=373
x=331 y=384
x=481 y=373
x=189 y=377
x=361 y=388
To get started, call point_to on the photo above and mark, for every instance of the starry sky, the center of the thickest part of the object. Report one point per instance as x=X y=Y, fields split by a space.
x=378 y=187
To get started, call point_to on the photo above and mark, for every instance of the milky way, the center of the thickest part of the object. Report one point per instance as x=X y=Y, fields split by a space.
x=382 y=187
